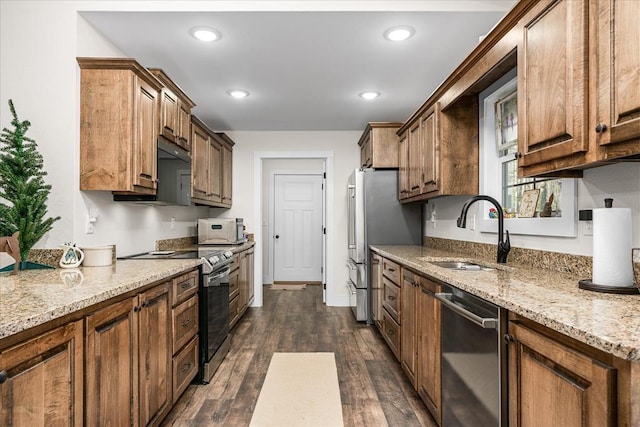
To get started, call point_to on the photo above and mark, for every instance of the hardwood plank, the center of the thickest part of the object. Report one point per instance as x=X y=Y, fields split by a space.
x=373 y=388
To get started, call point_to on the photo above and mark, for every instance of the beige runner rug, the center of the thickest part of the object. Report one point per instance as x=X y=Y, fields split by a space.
x=300 y=389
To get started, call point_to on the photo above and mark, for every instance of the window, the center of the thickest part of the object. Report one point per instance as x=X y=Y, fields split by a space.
x=554 y=213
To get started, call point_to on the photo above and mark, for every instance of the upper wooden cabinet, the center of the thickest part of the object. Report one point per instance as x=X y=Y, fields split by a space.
x=118 y=126
x=227 y=169
x=175 y=111
x=441 y=152
x=210 y=152
x=379 y=145
x=578 y=79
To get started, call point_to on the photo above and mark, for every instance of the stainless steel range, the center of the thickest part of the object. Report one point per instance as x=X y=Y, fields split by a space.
x=213 y=303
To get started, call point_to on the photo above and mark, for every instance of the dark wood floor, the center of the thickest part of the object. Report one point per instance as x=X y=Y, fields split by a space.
x=373 y=388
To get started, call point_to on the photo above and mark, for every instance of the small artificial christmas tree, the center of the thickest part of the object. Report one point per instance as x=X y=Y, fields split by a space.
x=22 y=185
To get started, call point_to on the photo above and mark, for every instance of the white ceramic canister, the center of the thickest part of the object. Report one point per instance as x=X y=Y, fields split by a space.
x=97 y=256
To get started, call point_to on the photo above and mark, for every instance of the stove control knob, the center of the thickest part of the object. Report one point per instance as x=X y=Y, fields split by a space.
x=228 y=254
x=214 y=259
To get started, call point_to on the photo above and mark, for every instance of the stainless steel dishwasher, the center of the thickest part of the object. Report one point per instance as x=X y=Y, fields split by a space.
x=474 y=362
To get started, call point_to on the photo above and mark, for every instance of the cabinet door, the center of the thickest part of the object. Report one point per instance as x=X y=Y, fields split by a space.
x=430 y=149
x=155 y=345
x=429 y=370
x=44 y=380
x=415 y=159
x=227 y=175
x=112 y=365
x=391 y=294
x=403 y=166
x=243 y=296
x=250 y=277
x=184 y=126
x=376 y=289
x=617 y=95
x=552 y=83
x=145 y=139
x=215 y=171
x=366 y=152
x=199 y=163
x=409 y=335
x=553 y=385
x=169 y=115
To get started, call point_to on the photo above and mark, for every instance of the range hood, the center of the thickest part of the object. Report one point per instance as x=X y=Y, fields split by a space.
x=174 y=179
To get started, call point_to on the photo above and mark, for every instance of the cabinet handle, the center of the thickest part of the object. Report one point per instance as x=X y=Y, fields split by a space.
x=186 y=322
x=391 y=298
x=508 y=339
x=185 y=285
x=146 y=304
x=186 y=367
x=517 y=155
x=390 y=332
x=3 y=376
x=391 y=269
x=137 y=308
x=601 y=127
x=145 y=175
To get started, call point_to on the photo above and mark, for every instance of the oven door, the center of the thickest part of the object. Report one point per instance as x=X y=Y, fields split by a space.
x=214 y=316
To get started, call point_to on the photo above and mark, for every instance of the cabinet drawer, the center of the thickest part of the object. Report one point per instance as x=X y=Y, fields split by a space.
x=185 y=367
x=391 y=298
x=391 y=270
x=184 y=286
x=391 y=333
x=235 y=262
x=234 y=289
x=234 y=311
x=185 y=322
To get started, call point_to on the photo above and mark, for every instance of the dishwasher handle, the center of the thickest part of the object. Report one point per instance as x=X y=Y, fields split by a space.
x=483 y=322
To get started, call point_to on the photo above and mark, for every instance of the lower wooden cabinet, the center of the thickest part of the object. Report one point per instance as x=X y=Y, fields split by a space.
x=241 y=285
x=552 y=384
x=409 y=331
x=41 y=380
x=429 y=371
x=129 y=360
x=185 y=367
x=376 y=289
x=391 y=333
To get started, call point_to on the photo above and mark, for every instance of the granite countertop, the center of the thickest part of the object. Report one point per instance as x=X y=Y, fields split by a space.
x=607 y=322
x=34 y=297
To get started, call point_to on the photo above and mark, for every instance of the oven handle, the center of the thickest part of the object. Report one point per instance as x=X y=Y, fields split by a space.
x=483 y=322
x=220 y=275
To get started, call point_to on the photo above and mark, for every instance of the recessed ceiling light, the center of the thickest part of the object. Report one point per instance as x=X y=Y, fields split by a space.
x=397 y=34
x=238 y=93
x=369 y=95
x=205 y=34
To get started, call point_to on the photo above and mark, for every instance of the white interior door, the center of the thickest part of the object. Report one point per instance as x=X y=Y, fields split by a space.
x=298 y=228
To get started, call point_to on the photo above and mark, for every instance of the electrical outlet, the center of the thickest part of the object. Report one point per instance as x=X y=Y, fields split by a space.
x=173 y=223
x=89 y=225
x=588 y=228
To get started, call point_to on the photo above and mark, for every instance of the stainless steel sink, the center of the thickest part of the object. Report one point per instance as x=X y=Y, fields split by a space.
x=461 y=265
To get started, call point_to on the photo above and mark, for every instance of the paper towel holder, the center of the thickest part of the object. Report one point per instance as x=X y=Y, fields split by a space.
x=588 y=285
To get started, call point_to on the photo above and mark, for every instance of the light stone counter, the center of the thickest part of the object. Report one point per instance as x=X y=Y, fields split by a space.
x=34 y=297
x=607 y=322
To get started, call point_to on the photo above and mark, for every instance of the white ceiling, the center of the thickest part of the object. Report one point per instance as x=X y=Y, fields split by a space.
x=304 y=70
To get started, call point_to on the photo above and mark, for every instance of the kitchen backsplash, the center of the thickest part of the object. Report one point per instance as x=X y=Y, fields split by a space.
x=176 y=243
x=556 y=261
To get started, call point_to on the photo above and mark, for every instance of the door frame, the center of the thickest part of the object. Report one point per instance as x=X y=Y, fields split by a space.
x=271 y=225
x=327 y=156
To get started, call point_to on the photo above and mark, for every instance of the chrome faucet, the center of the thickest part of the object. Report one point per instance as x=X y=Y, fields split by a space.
x=504 y=246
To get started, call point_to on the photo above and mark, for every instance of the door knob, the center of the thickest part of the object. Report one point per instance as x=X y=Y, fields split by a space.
x=277 y=236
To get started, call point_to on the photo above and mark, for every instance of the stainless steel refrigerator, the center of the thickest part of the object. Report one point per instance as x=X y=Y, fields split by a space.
x=375 y=217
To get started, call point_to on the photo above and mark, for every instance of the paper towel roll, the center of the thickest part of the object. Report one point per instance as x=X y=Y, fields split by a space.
x=612 y=247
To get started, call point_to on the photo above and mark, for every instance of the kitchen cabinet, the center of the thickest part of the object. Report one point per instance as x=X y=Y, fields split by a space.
x=441 y=152
x=184 y=316
x=376 y=289
x=206 y=166
x=403 y=166
x=391 y=306
x=408 y=321
x=241 y=284
x=551 y=383
x=175 y=111
x=119 y=112
x=379 y=145
x=596 y=118
x=227 y=169
x=428 y=374
x=41 y=379
x=129 y=358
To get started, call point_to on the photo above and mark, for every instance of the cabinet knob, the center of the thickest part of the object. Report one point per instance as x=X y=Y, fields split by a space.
x=517 y=155
x=137 y=308
x=508 y=339
x=3 y=376
x=277 y=236
x=601 y=127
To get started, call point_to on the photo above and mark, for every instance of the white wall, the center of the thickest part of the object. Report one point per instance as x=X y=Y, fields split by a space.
x=619 y=181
